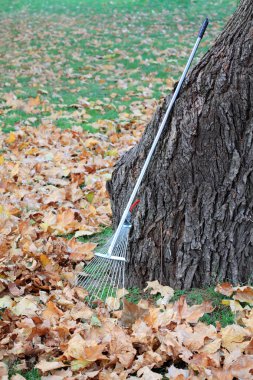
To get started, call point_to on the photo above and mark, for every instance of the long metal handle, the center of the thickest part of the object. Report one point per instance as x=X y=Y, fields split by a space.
x=150 y=154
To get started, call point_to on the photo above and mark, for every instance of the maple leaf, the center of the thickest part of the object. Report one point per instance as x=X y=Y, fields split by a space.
x=27 y=305
x=145 y=373
x=75 y=347
x=244 y=294
x=190 y=314
x=121 y=347
x=51 y=312
x=132 y=313
x=233 y=336
x=225 y=288
x=177 y=374
x=165 y=291
x=45 y=366
x=80 y=251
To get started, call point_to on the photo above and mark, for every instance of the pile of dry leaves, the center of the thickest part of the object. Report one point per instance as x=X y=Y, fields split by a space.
x=52 y=184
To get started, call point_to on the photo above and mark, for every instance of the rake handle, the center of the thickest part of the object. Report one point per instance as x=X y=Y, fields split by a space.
x=203 y=28
x=159 y=132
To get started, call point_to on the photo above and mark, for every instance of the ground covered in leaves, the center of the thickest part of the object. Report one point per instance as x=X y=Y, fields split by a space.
x=53 y=184
x=96 y=67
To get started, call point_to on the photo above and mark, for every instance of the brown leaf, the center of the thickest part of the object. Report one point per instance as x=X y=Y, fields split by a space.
x=81 y=251
x=177 y=374
x=121 y=347
x=242 y=368
x=165 y=291
x=75 y=347
x=132 y=313
x=225 y=288
x=234 y=336
x=146 y=374
x=46 y=366
x=195 y=312
x=15 y=290
x=52 y=312
x=249 y=348
x=244 y=294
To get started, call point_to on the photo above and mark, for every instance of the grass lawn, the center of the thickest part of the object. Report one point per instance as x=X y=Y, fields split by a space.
x=84 y=63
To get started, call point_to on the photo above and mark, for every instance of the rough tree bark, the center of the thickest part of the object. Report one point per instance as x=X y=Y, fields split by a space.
x=194 y=224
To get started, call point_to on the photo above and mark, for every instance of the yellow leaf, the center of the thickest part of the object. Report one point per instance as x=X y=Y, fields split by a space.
x=32 y=151
x=15 y=170
x=112 y=153
x=45 y=260
x=90 y=197
x=44 y=226
x=1 y=160
x=234 y=305
x=11 y=138
x=6 y=301
x=79 y=364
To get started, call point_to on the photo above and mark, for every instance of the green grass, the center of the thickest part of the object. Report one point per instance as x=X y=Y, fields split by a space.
x=28 y=375
x=92 y=47
x=221 y=313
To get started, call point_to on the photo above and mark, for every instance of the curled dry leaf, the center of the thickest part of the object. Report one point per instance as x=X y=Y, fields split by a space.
x=121 y=347
x=113 y=303
x=27 y=306
x=51 y=312
x=233 y=337
x=45 y=366
x=165 y=291
x=177 y=374
x=132 y=313
x=18 y=377
x=244 y=294
x=225 y=288
x=75 y=347
x=81 y=251
x=146 y=373
x=121 y=293
x=3 y=371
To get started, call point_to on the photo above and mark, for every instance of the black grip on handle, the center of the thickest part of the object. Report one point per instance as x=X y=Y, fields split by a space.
x=203 y=28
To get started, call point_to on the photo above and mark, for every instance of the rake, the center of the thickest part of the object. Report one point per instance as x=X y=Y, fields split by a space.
x=105 y=274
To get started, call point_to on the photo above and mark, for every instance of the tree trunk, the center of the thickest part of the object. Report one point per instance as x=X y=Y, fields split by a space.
x=194 y=224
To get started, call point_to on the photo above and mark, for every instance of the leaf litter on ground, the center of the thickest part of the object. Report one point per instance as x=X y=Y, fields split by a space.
x=53 y=184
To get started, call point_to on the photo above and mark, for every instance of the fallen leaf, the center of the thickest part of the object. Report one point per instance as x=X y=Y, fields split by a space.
x=146 y=374
x=165 y=291
x=234 y=336
x=244 y=294
x=51 y=312
x=177 y=374
x=132 y=313
x=46 y=366
x=27 y=305
x=225 y=288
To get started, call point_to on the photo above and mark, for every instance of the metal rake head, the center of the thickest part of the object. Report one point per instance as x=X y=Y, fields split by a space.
x=105 y=273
